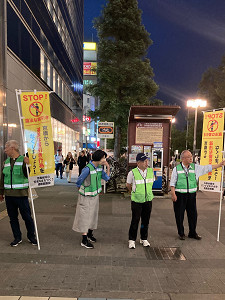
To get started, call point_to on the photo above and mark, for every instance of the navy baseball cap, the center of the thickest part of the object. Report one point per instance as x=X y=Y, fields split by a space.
x=141 y=156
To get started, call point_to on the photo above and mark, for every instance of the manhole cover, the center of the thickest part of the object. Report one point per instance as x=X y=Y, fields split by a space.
x=162 y=253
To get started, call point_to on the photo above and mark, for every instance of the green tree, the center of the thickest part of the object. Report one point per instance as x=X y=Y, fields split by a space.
x=124 y=72
x=212 y=86
x=178 y=141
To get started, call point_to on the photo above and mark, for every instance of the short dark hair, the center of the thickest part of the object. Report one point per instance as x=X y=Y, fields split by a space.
x=98 y=155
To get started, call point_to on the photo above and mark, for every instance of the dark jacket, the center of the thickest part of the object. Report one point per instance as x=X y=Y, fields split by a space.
x=69 y=162
x=82 y=161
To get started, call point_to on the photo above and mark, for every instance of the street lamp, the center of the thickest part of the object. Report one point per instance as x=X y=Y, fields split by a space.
x=195 y=103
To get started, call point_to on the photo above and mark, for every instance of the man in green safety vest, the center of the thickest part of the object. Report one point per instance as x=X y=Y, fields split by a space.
x=139 y=184
x=183 y=184
x=14 y=188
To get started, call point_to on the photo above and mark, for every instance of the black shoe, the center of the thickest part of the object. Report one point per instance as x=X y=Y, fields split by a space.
x=87 y=245
x=33 y=241
x=92 y=239
x=196 y=237
x=16 y=242
x=182 y=237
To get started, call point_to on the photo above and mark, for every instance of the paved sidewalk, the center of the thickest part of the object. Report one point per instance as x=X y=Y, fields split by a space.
x=62 y=268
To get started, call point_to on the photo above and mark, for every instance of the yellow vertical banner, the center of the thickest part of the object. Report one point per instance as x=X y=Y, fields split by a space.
x=211 y=151
x=35 y=107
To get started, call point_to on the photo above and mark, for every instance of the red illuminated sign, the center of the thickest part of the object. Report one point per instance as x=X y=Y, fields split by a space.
x=87 y=119
x=75 y=120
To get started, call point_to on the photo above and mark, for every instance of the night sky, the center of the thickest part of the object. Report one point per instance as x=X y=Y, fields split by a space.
x=188 y=38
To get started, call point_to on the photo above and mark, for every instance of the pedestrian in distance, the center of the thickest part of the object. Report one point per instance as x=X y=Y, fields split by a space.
x=69 y=162
x=184 y=182
x=75 y=157
x=89 y=184
x=14 y=189
x=139 y=184
x=88 y=157
x=59 y=163
x=82 y=161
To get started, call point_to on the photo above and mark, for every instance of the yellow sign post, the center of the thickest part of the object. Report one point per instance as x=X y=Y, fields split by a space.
x=36 y=130
x=36 y=115
x=211 y=151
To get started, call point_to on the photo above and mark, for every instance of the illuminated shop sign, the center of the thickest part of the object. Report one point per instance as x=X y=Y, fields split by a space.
x=90 y=68
x=89 y=46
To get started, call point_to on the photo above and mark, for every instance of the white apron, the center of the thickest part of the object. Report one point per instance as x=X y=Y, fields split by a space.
x=86 y=216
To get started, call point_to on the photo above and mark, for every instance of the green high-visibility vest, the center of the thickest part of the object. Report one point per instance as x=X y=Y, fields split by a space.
x=186 y=183
x=15 y=179
x=143 y=192
x=92 y=184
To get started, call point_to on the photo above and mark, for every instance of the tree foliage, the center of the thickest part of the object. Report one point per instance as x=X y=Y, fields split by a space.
x=212 y=86
x=124 y=71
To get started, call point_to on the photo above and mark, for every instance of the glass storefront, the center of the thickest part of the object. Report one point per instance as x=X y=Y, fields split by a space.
x=67 y=138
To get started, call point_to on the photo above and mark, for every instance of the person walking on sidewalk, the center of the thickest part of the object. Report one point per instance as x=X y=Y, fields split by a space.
x=184 y=184
x=89 y=184
x=59 y=163
x=14 y=188
x=82 y=161
x=69 y=162
x=139 y=184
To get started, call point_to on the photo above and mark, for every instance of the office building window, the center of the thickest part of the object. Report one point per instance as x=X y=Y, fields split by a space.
x=45 y=69
x=42 y=65
x=60 y=87
x=51 y=76
x=48 y=73
x=56 y=83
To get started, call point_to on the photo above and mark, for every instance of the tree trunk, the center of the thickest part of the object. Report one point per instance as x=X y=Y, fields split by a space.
x=117 y=143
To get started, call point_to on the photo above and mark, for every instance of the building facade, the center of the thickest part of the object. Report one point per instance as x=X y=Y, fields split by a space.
x=90 y=102
x=41 y=49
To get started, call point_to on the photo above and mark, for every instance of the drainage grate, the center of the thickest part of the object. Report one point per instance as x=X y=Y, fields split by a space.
x=162 y=253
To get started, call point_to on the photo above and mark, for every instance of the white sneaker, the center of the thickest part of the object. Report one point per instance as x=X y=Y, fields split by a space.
x=131 y=244
x=145 y=243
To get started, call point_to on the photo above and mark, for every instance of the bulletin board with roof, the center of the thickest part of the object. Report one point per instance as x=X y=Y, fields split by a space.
x=149 y=131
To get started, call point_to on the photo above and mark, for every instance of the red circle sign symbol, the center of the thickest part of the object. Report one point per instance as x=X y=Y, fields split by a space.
x=36 y=109
x=212 y=125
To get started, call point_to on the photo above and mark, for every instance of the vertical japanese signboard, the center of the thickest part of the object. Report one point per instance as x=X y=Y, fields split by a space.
x=211 y=151
x=36 y=115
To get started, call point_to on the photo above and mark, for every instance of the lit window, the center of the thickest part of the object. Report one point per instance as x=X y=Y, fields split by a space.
x=51 y=76
x=54 y=81
x=42 y=62
x=60 y=86
x=48 y=73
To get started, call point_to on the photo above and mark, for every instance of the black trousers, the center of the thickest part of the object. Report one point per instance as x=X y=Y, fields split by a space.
x=186 y=201
x=58 y=168
x=143 y=211
x=21 y=203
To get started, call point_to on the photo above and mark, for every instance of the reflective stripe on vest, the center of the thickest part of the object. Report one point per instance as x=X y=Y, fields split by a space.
x=143 y=190
x=95 y=186
x=186 y=184
x=15 y=179
x=16 y=186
